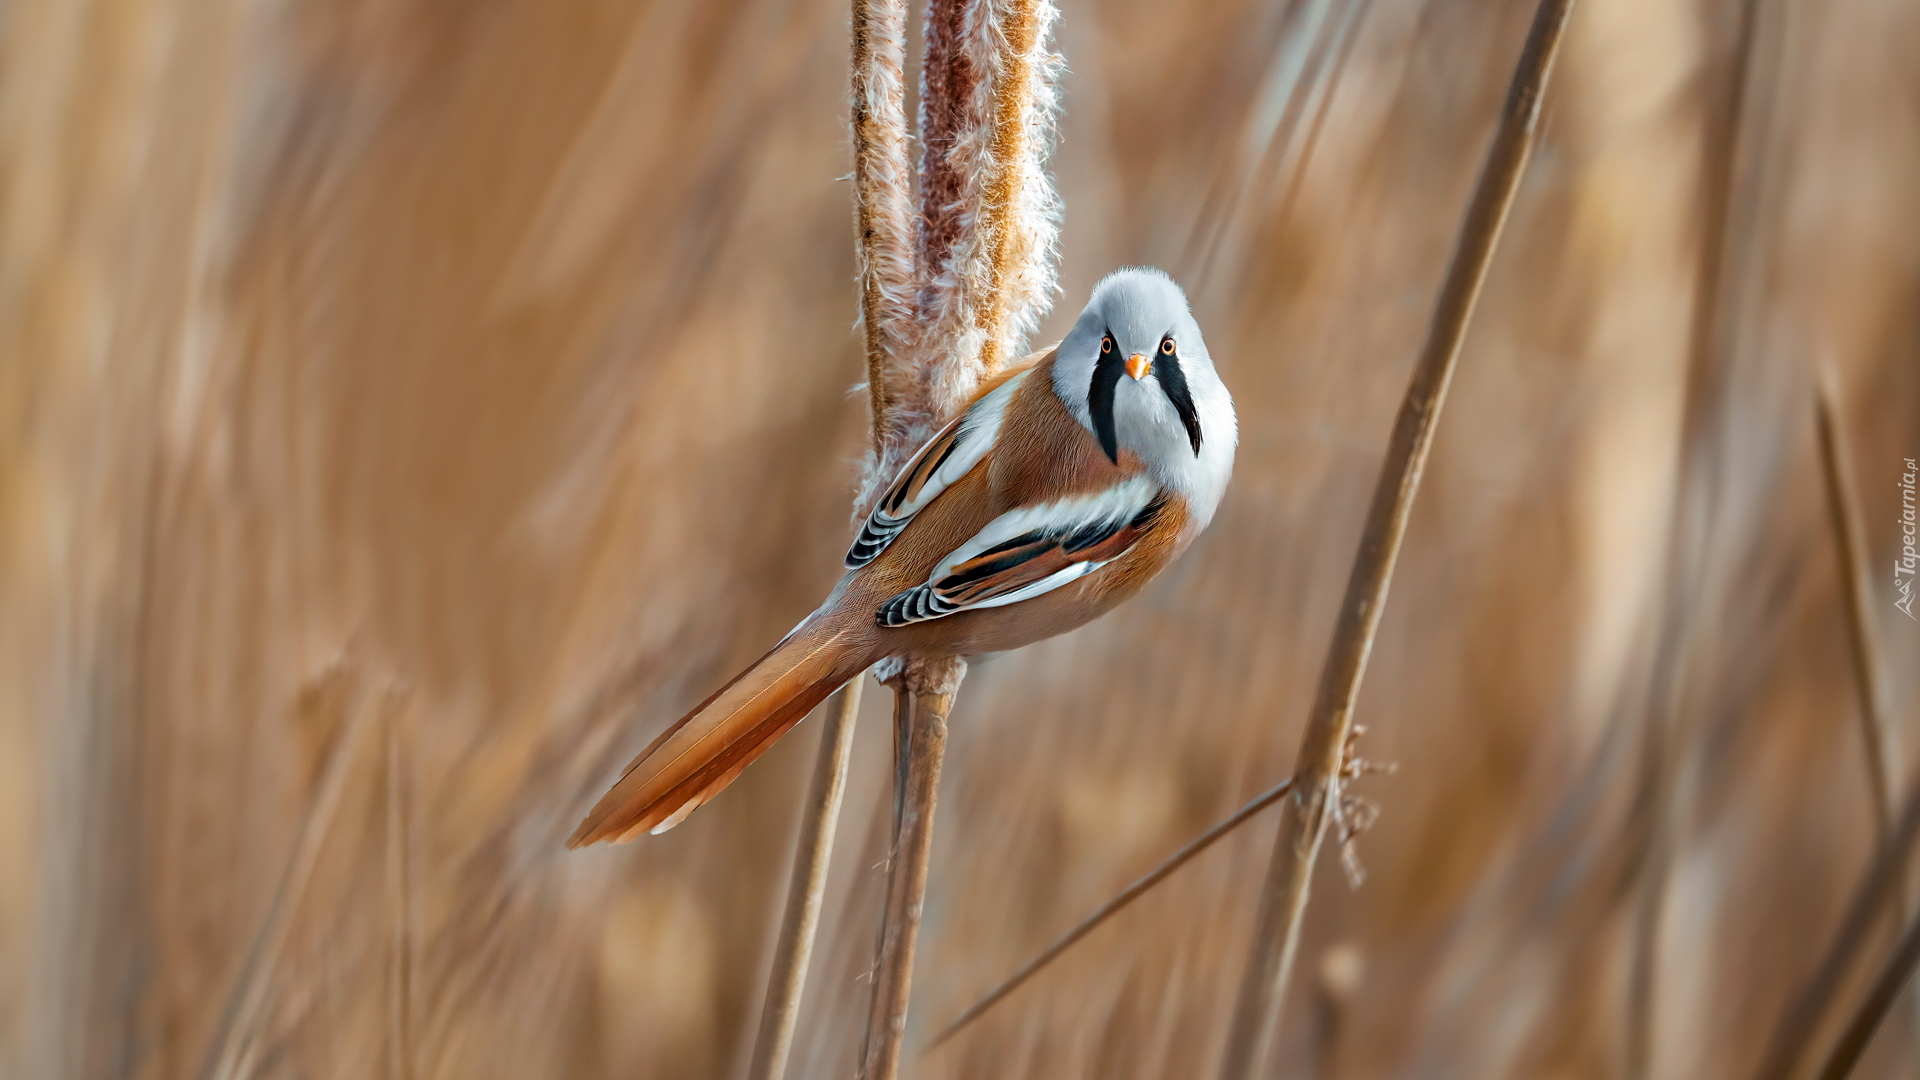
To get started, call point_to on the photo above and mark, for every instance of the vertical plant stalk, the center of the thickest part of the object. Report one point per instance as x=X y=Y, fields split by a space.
x=924 y=711
x=1018 y=211
x=1722 y=290
x=1879 y=890
x=952 y=114
x=883 y=213
x=1884 y=885
x=1879 y=738
x=988 y=214
x=781 y=1013
x=400 y=1065
x=1893 y=978
x=1843 y=508
x=984 y=275
x=883 y=220
x=1305 y=816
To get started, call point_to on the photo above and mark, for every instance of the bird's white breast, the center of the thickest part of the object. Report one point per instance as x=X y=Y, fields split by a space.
x=1147 y=425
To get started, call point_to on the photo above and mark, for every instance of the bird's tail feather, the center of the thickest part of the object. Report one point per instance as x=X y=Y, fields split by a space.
x=709 y=747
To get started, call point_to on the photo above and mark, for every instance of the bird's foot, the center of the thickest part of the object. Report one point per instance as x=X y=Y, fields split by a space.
x=921 y=676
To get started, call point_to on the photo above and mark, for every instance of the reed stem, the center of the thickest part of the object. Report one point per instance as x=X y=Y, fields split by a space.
x=1879 y=889
x=883 y=216
x=923 y=716
x=1893 y=978
x=1305 y=816
x=1843 y=508
x=1736 y=133
x=785 y=985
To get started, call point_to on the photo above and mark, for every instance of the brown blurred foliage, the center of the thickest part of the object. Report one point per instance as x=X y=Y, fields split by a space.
x=407 y=409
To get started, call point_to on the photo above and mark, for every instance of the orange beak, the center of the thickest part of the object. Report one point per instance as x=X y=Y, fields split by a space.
x=1137 y=366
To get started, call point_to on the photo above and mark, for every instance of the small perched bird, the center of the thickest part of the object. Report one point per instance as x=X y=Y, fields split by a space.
x=1061 y=490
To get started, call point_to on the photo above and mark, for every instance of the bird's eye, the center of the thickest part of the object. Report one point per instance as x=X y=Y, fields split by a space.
x=1106 y=344
x=1167 y=346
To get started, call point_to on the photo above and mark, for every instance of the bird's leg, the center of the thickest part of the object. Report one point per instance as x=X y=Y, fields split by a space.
x=924 y=694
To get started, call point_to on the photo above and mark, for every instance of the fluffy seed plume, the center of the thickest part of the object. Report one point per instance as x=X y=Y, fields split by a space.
x=989 y=214
x=883 y=197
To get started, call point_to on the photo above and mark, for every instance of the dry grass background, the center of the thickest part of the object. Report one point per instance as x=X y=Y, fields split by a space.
x=408 y=408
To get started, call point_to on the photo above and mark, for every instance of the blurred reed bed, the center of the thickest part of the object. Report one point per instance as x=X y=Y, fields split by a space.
x=410 y=408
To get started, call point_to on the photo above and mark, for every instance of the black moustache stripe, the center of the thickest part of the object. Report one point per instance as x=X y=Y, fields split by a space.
x=1107 y=372
x=1174 y=381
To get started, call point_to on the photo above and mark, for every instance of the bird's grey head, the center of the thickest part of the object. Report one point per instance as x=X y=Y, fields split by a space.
x=1136 y=372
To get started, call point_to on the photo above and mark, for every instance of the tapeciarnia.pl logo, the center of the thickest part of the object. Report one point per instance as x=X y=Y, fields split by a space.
x=1904 y=566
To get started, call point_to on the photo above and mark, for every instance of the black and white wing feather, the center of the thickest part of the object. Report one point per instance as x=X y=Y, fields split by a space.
x=944 y=459
x=1027 y=552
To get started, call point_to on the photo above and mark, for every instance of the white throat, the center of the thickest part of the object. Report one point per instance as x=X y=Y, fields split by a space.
x=1150 y=429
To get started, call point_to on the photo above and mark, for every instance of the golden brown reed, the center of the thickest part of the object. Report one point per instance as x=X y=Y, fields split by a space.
x=497 y=356
x=1320 y=793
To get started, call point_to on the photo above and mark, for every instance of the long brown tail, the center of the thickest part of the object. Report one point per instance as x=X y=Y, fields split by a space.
x=710 y=746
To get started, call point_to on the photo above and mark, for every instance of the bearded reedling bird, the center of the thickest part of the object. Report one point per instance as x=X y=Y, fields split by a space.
x=1061 y=490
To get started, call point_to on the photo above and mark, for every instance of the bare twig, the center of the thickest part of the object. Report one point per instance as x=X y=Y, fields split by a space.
x=1305 y=816
x=1877 y=736
x=1893 y=978
x=1843 y=508
x=1878 y=891
x=1111 y=908
x=781 y=1013
x=925 y=717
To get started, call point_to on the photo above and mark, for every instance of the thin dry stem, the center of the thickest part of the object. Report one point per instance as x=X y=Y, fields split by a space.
x=1878 y=738
x=1879 y=890
x=1111 y=908
x=246 y=1013
x=1666 y=786
x=984 y=275
x=883 y=215
x=1843 y=509
x=798 y=926
x=399 y=852
x=924 y=717
x=1305 y=816
x=1893 y=978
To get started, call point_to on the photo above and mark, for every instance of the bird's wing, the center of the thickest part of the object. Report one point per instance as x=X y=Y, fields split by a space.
x=1032 y=550
x=947 y=456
